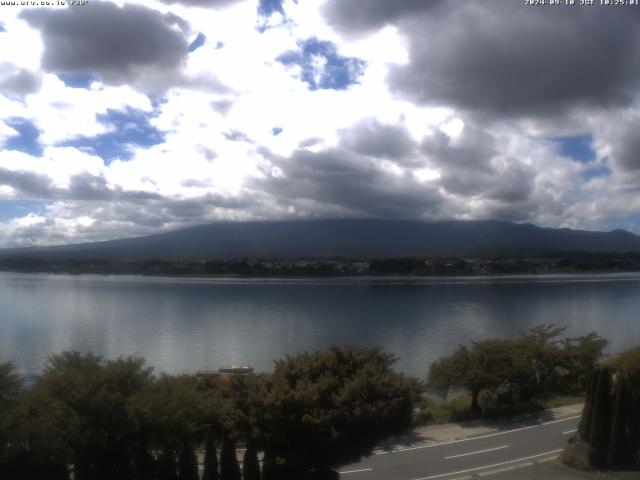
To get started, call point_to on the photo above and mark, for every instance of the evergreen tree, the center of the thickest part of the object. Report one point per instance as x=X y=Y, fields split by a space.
x=167 y=466
x=229 y=468
x=210 y=460
x=601 y=418
x=619 y=454
x=250 y=465
x=587 y=412
x=187 y=464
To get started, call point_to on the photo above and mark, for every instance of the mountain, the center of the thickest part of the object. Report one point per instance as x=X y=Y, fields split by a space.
x=348 y=237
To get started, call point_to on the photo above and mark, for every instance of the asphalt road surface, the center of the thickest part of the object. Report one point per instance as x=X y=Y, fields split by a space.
x=470 y=456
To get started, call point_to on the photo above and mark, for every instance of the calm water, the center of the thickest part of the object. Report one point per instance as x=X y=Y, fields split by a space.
x=183 y=325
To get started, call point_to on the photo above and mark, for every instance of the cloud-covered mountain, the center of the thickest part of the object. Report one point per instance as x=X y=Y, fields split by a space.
x=350 y=237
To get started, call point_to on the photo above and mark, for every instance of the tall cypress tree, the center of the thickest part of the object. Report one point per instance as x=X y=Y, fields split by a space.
x=167 y=466
x=229 y=468
x=587 y=412
x=188 y=464
x=250 y=465
x=601 y=419
x=210 y=460
x=620 y=445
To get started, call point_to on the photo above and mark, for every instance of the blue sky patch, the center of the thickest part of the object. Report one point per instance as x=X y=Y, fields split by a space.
x=27 y=139
x=266 y=8
x=20 y=208
x=76 y=80
x=129 y=128
x=276 y=131
x=198 y=42
x=598 y=171
x=2 y=29
x=577 y=147
x=322 y=67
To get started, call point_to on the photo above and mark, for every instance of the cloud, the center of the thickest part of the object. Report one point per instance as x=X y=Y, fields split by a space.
x=130 y=44
x=202 y=3
x=357 y=16
x=373 y=138
x=16 y=81
x=351 y=182
x=518 y=62
x=26 y=183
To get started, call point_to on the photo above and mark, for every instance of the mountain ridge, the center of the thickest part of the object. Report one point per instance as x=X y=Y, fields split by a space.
x=347 y=238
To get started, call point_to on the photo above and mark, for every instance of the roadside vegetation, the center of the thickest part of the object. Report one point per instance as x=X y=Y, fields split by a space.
x=90 y=418
x=114 y=419
x=609 y=433
x=493 y=377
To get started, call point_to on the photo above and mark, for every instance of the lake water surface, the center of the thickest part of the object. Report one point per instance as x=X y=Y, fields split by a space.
x=182 y=325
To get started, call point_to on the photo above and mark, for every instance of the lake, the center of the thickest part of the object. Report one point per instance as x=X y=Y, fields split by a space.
x=183 y=325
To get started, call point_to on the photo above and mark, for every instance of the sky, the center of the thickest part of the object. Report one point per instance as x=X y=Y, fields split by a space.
x=125 y=118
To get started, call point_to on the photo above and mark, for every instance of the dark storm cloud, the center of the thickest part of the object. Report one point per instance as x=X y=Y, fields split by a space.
x=502 y=59
x=375 y=139
x=361 y=15
x=352 y=182
x=15 y=81
x=117 y=45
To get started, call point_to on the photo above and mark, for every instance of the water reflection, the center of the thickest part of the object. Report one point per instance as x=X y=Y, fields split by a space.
x=185 y=324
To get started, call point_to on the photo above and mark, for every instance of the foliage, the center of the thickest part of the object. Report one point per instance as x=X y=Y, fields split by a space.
x=210 y=460
x=527 y=370
x=229 y=468
x=330 y=408
x=609 y=427
x=250 y=465
x=187 y=464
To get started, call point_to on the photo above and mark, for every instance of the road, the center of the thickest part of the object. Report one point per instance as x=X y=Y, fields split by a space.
x=469 y=456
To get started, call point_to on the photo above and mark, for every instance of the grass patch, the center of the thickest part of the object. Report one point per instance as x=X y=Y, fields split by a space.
x=456 y=409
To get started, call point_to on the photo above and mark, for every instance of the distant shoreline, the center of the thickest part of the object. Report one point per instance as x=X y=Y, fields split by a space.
x=322 y=267
x=555 y=275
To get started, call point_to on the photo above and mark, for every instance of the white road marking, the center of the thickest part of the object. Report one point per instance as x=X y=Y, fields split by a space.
x=489 y=466
x=570 y=431
x=561 y=420
x=474 y=453
x=449 y=442
x=356 y=471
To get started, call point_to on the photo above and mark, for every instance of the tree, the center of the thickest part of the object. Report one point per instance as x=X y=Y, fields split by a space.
x=581 y=356
x=250 y=465
x=229 y=468
x=330 y=408
x=539 y=359
x=10 y=388
x=88 y=408
x=601 y=418
x=187 y=464
x=210 y=460
x=487 y=364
